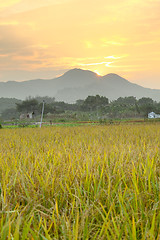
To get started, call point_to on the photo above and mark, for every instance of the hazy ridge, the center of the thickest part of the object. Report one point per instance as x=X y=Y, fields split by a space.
x=77 y=84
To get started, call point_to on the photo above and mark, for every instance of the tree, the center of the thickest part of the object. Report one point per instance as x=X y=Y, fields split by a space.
x=48 y=108
x=92 y=102
x=48 y=100
x=145 y=101
x=28 y=105
x=124 y=107
x=10 y=114
x=146 y=105
x=126 y=101
x=79 y=102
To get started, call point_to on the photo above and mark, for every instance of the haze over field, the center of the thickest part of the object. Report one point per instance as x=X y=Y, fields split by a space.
x=44 y=39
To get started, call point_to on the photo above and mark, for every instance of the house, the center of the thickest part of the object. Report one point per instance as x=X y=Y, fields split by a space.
x=153 y=115
x=27 y=115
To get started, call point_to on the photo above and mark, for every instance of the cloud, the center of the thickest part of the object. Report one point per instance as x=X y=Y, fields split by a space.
x=113 y=43
x=18 y=6
x=3 y=55
x=79 y=33
x=88 y=44
x=5 y=23
x=11 y=41
x=94 y=64
x=8 y=3
x=145 y=42
x=114 y=57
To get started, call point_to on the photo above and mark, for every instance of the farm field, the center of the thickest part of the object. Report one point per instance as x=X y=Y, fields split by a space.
x=80 y=182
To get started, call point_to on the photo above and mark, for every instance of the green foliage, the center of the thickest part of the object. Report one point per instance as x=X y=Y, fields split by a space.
x=79 y=102
x=145 y=101
x=62 y=120
x=10 y=114
x=96 y=107
x=131 y=107
x=46 y=99
x=124 y=107
x=126 y=101
x=49 y=108
x=137 y=108
x=8 y=103
x=146 y=105
x=29 y=105
x=92 y=102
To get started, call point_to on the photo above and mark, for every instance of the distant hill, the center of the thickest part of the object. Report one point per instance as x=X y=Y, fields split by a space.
x=77 y=84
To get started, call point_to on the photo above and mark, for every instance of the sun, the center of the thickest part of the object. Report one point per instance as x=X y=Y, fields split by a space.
x=97 y=72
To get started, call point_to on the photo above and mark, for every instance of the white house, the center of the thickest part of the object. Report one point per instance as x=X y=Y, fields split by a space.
x=27 y=115
x=153 y=115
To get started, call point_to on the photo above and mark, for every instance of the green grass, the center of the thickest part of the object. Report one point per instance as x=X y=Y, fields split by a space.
x=66 y=124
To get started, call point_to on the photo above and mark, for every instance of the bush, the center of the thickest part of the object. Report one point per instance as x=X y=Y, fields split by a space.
x=62 y=120
x=102 y=121
x=0 y=126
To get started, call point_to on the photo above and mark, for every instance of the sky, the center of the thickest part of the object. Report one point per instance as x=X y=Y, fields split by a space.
x=45 y=38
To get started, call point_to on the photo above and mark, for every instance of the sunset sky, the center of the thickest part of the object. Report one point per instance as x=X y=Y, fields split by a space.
x=45 y=38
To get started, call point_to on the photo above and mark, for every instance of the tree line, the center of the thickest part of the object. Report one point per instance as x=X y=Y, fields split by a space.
x=123 y=107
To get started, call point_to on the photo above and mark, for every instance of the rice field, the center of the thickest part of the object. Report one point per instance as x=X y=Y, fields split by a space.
x=85 y=182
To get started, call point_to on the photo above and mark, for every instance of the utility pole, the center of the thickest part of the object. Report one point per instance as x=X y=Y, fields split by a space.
x=42 y=114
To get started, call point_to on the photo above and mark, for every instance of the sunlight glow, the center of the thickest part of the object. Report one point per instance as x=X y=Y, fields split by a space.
x=108 y=64
x=93 y=64
x=52 y=36
x=97 y=73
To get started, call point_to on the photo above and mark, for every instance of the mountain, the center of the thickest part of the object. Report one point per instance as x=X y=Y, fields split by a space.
x=77 y=84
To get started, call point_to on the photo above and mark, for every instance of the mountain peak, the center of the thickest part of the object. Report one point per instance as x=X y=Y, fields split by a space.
x=114 y=78
x=79 y=71
x=112 y=75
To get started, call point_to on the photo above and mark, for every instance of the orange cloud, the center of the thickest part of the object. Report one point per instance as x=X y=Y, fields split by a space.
x=8 y=3
x=62 y=34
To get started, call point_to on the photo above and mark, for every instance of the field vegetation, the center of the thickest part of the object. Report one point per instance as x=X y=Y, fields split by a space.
x=84 y=182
